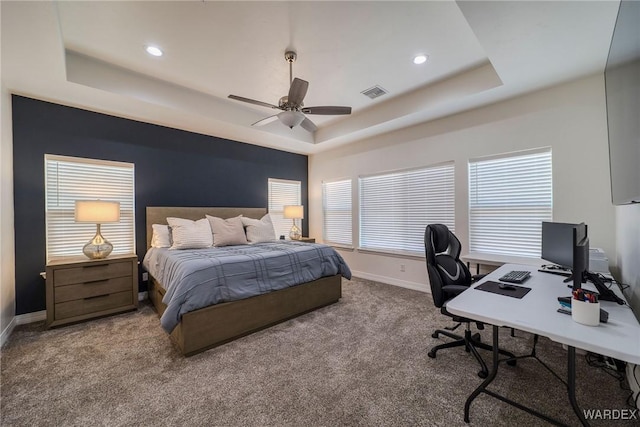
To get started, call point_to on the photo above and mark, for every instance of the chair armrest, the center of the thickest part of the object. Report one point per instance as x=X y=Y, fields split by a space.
x=477 y=277
x=454 y=289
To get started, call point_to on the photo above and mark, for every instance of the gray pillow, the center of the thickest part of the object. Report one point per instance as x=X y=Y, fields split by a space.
x=259 y=230
x=227 y=232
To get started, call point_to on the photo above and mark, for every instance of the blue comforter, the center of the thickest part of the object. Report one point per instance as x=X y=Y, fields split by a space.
x=198 y=278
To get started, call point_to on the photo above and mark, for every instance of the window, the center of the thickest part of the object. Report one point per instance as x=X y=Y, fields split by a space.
x=336 y=209
x=281 y=193
x=509 y=197
x=68 y=179
x=395 y=208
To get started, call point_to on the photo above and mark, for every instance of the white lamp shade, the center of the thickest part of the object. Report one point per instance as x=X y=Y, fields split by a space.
x=291 y=119
x=97 y=211
x=294 y=211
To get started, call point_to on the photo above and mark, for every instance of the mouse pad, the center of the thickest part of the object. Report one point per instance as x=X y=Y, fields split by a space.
x=494 y=287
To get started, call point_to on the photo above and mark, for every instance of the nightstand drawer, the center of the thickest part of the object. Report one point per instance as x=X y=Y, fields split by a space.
x=91 y=272
x=92 y=289
x=93 y=304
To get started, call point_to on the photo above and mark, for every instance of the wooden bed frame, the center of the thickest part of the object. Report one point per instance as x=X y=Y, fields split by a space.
x=218 y=324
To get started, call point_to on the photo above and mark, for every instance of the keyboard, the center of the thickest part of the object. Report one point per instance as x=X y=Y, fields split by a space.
x=515 y=276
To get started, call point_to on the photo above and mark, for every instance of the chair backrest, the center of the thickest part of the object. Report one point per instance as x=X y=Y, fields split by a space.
x=442 y=249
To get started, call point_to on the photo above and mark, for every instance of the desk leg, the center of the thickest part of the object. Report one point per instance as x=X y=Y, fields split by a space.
x=477 y=267
x=492 y=375
x=571 y=384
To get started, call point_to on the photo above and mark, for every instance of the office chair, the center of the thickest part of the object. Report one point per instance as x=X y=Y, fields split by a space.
x=449 y=277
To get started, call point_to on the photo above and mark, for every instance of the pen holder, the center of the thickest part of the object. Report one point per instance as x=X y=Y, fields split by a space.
x=587 y=313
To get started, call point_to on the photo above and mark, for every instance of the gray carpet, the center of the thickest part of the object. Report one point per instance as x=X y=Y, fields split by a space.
x=362 y=361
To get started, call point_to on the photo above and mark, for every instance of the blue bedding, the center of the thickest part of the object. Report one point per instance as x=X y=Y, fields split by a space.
x=198 y=278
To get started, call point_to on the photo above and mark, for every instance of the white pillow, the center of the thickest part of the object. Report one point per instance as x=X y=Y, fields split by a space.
x=227 y=232
x=188 y=234
x=259 y=230
x=160 y=236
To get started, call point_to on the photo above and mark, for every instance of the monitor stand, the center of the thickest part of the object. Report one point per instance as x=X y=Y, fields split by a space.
x=606 y=294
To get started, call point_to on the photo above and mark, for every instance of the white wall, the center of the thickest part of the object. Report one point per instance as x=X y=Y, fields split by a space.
x=570 y=118
x=628 y=249
x=7 y=276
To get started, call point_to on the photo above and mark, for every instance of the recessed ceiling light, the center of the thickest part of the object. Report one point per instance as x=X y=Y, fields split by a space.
x=153 y=50
x=420 y=59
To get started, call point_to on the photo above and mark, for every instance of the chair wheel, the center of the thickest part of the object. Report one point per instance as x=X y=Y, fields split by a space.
x=435 y=335
x=483 y=374
x=432 y=354
x=511 y=362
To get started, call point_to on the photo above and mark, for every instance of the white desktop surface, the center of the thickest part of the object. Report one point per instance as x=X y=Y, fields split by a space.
x=537 y=313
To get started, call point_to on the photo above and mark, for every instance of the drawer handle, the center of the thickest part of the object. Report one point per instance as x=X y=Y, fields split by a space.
x=95 y=265
x=96 y=281
x=97 y=296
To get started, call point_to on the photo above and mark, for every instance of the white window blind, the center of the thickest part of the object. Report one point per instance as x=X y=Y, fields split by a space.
x=336 y=209
x=283 y=192
x=395 y=208
x=509 y=197
x=68 y=179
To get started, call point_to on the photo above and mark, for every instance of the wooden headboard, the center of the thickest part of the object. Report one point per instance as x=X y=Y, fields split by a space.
x=159 y=214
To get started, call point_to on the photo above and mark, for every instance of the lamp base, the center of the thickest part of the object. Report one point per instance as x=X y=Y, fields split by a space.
x=98 y=247
x=295 y=233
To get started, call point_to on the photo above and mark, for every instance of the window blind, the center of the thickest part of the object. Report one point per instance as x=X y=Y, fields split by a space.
x=281 y=193
x=509 y=197
x=68 y=179
x=336 y=209
x=395 y=208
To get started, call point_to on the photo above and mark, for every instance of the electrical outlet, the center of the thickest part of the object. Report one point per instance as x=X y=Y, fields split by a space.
x=402 y=268
x=145 y=276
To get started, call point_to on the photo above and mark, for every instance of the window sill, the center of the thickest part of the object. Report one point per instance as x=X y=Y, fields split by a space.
x=340 y=247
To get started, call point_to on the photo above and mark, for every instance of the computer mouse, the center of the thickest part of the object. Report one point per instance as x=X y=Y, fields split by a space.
x=507 y=287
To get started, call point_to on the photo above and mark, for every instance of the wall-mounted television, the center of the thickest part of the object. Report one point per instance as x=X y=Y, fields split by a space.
x=622 y=84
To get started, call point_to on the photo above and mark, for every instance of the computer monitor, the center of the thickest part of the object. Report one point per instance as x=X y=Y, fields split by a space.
x=557 y=243
x=567 y=245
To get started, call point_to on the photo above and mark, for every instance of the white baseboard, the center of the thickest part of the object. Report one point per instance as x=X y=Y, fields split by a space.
x=392 y=281
x=21 y=319
x=143 y=295
x=4 y=336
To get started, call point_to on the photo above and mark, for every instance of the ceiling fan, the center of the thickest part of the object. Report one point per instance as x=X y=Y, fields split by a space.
x=293 y=111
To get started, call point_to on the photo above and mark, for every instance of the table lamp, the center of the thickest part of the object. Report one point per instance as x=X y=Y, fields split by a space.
x=294 y=212
x=97 y=212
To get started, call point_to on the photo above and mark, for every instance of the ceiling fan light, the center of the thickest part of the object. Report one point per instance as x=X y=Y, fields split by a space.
x=291 y=118
x=420 y=59
x=154 y=50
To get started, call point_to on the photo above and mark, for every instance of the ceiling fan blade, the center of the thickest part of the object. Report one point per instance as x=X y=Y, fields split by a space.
x=308 y=125
x=327 y=110
x=266 y=120
x=297 y=91
x=253 y=101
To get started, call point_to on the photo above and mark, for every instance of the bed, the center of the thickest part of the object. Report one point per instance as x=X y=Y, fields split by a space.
x=213 y=325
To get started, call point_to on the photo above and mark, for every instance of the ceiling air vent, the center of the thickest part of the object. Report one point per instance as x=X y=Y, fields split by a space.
x=374 y=92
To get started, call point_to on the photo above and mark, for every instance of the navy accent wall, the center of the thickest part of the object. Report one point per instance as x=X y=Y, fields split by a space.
x=172 y=168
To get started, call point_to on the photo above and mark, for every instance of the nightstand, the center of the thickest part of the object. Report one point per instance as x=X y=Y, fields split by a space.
x=80 y=289
x=307 y=239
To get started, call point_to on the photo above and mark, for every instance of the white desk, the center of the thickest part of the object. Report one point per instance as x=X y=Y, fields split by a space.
x=537 y=313
x=497 y=260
